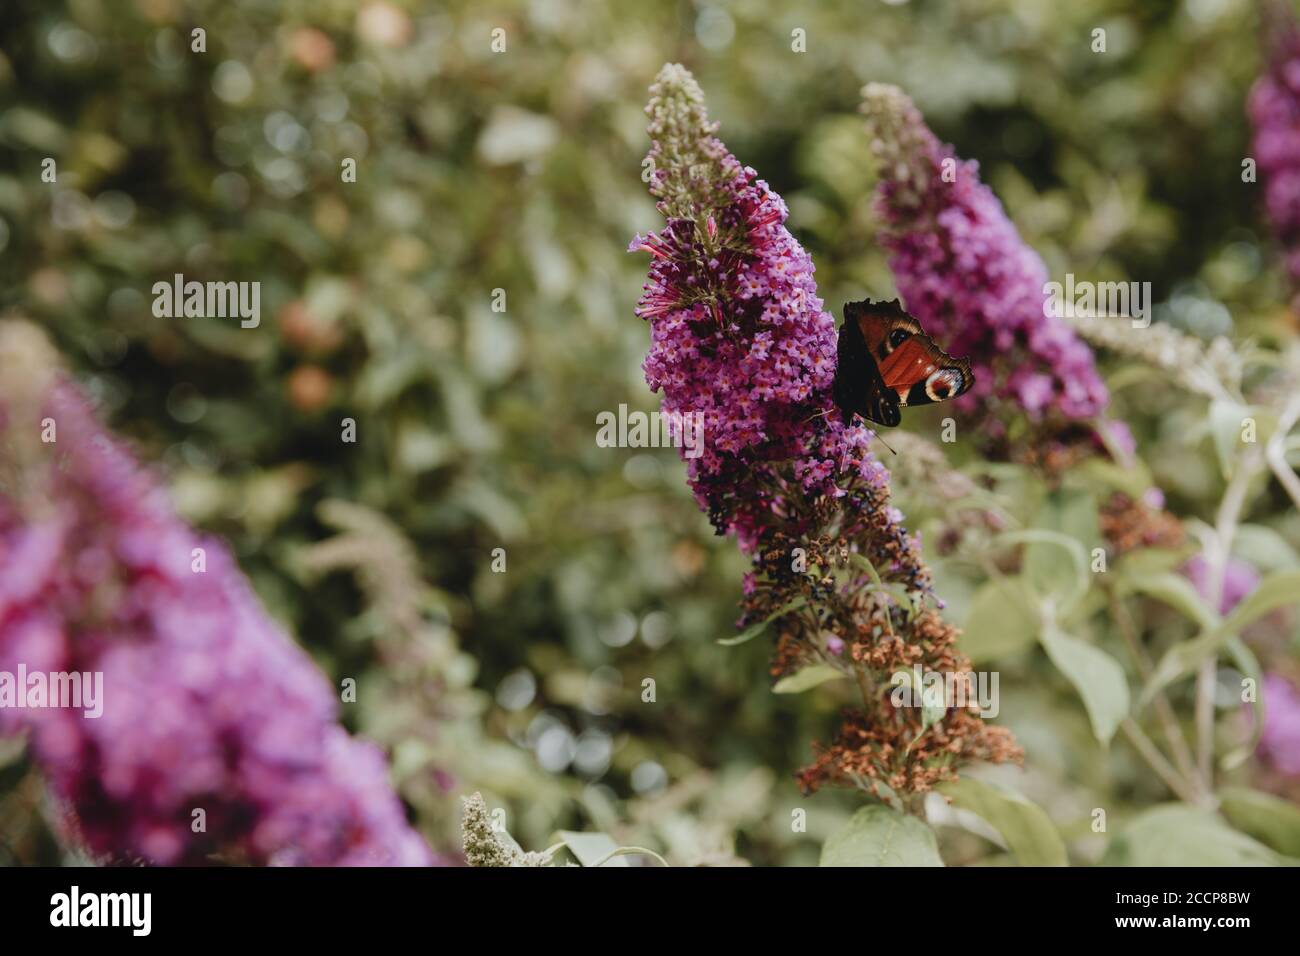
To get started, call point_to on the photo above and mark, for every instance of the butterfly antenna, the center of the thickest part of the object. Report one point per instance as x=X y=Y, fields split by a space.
x=885 y=443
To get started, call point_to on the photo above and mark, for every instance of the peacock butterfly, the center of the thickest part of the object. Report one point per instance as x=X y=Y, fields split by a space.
x=886 y=360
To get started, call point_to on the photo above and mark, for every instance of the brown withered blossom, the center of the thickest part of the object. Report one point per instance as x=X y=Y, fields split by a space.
x=870 y=624
x=1128 y=524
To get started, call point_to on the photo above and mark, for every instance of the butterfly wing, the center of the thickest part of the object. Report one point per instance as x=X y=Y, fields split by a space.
x=888 y=361
x=859 y=387
x=919 y=372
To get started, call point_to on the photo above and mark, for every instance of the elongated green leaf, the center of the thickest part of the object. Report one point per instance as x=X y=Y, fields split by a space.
x=1244 y=659
x=860 y=561
x=1003 y=619
x=610 y=858
x=1225 y=427
x=1049 y=567
x=1277 y=590
x=1106 y=476
x=1271 y=820
x=902 y=597
x=592 y=849
x=1179 y=661
x=1176 y=834
x=806 y=679
x=1029 y=832
x=1176 y=591
x=1149 y=561
x=1067 y=587
x=879 y=836
x=1264 y=548
x=1097 y=677
x=751 y=632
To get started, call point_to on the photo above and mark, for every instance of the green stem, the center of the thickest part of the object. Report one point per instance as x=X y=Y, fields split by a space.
x=1164 y=712
x=1142 y=743
x=1225 y=530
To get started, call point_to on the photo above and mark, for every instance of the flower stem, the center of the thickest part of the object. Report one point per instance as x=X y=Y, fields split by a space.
x=1225 y=527
x=1164 y=712
x=1138 y=738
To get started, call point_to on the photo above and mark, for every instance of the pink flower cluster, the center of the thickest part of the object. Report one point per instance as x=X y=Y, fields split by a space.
x=964 y=272
x=1274 y=109
x=738 y=333
x=1239 y=579
x=207 y=704
x=1280 y=739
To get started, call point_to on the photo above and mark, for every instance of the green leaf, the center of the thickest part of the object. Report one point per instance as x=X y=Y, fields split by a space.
x=1175 y=590
x=1073 y=512
x=1246 y=662
x=1277 y=590
x=958 y=589
x=806 y=679
x=592 y=849
x=879 y=836
x=902 y=597
x=1177 y=662
x=1003 y=619
x=609 y=859
x=1097 y=677
x=1264 y=548
x=1108 y=476
x=1149 y=561
x=1176 y=834
x=751 y=632
x=1069 y=582
x=1271 y=820
x=1029 y=832
x=930 y=715
x=1225 y=428
x=861 y=562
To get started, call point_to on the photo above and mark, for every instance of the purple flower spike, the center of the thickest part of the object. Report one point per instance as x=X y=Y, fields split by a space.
x=1274 y=109
x=218 y=738
x=1280 y=739
x=740 y=342
x=1239 y=579
x=965 y=273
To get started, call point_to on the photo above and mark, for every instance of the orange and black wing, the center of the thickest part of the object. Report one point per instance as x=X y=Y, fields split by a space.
x=886 y=361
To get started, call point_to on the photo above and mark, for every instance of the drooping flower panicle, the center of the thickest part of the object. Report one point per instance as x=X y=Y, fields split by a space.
x=1279 y=740
x=1239 y=580
x=964 y=272
x=739 y=337
x=1274 y=110
x=218 y=738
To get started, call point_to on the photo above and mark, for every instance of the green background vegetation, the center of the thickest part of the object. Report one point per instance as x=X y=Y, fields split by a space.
x=521 y=171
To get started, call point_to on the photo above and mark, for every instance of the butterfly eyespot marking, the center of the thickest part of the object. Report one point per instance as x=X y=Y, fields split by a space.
x=886 y=362
x=890 y=342
x=943 y=384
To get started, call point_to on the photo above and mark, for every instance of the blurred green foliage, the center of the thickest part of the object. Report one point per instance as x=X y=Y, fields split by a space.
x=520 y=171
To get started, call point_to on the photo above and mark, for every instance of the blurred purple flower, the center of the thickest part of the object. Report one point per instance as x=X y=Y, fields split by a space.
x=1121 y=437
x=1154 y=498
x=1280 y=740
x=1239 y=579
x=207 y=704
x=964 y=272
x=1274 y=110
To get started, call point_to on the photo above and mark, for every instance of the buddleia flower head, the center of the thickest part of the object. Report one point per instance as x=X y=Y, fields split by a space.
x=964 y=272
